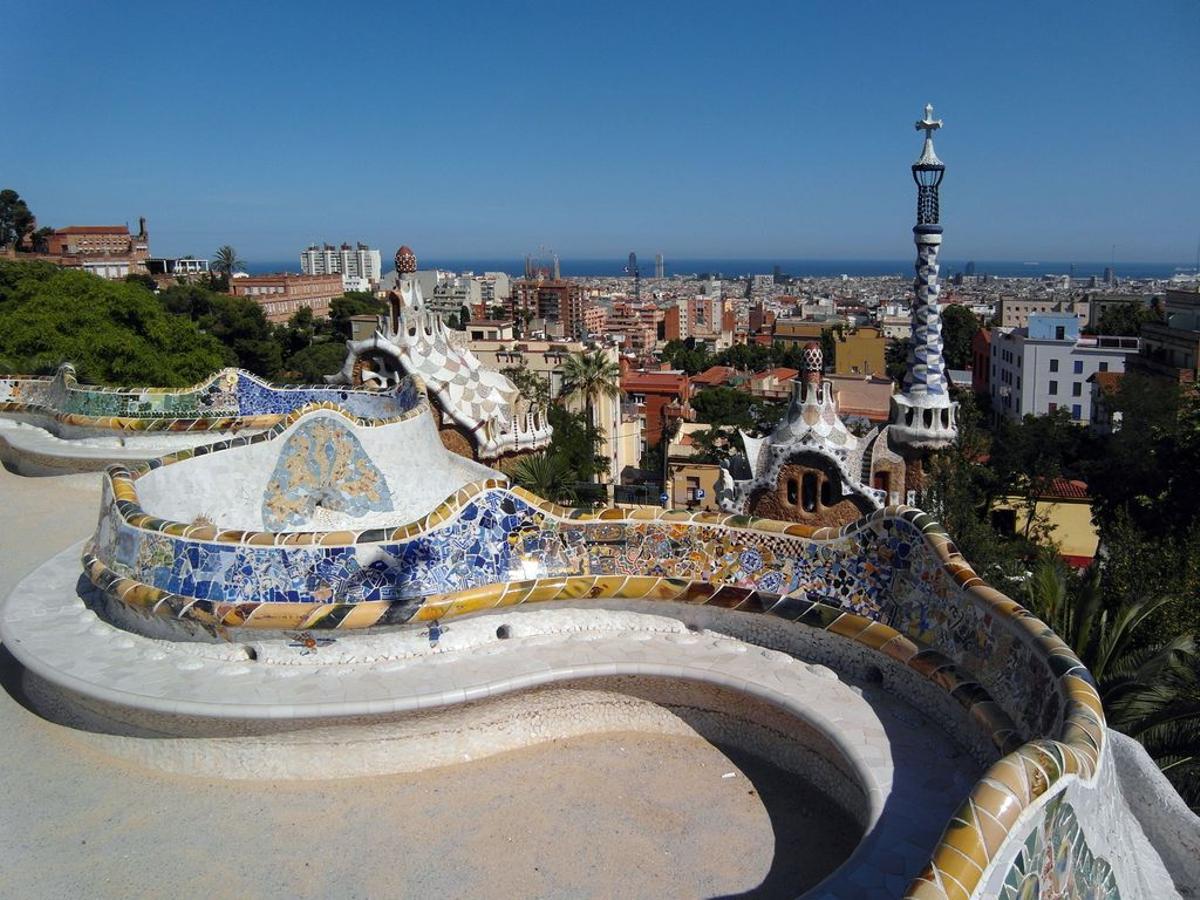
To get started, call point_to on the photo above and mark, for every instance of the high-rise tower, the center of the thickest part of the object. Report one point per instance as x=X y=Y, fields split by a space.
x=923 y=417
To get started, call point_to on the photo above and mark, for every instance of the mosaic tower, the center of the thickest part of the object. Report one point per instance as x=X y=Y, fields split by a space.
x=923 y=417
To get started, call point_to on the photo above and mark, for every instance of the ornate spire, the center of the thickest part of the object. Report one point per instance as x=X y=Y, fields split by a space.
x=923 y=416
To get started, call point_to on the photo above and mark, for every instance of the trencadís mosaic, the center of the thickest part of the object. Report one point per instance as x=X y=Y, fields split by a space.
x=228 y=399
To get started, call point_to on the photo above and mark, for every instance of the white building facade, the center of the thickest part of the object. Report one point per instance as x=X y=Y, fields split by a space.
x=357 y=265
x=1045 y=367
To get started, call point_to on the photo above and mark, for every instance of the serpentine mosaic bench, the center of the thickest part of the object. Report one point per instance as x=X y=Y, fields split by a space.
x=893 y=584
x=228 y=400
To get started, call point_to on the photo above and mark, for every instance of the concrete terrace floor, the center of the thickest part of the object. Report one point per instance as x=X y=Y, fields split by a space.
x=615 y=815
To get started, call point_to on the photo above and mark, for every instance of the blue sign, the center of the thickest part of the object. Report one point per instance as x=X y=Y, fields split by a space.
x=699 y=493
x=663 y=498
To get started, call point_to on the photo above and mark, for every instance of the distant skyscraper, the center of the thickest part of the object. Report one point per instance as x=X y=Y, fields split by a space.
x=660 y=269
x=557 y=268
x=632 y=269
x=358 y=263
x=1110 y=276
x=970 y=270
x=923 y=417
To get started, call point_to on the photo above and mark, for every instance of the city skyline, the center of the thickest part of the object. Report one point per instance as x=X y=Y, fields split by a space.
x=775 y=134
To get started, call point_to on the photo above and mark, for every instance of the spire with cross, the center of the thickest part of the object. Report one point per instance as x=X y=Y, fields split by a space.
x=923 y=416
x=930 y=125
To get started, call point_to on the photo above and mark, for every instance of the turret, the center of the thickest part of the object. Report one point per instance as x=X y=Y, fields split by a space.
x=923 y=417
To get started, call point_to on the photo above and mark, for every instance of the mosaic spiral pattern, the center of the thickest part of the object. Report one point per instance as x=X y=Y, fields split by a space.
x=926 y=373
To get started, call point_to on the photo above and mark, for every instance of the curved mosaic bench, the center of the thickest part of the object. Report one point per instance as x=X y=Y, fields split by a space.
x=228 y=400
x=892 y=582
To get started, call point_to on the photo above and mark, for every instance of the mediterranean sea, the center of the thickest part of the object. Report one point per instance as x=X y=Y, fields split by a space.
x=804 y=268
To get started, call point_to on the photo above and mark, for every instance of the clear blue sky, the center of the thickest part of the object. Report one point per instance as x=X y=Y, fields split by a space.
x=698 y=129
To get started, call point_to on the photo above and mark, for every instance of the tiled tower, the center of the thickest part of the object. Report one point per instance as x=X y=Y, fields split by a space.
x=923 y=417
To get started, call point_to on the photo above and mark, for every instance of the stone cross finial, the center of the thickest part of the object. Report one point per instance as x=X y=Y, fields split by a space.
x=929 y=123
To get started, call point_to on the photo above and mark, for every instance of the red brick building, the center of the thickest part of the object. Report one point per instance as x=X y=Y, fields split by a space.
x=552 y=299
x=109 y=251
x=662 y=398
x=283 y=294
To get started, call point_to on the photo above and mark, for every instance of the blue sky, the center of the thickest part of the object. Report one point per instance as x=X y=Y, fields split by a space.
x=696 y=129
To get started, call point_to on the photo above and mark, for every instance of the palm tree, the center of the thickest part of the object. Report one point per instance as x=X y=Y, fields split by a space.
x=225 y=261
x=547 y=475
x=588 y=377
x=1150 y=692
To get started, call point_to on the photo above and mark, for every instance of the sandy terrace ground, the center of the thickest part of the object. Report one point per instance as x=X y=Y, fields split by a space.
x=628 y=815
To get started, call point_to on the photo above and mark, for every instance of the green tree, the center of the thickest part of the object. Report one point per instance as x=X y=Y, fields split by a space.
x=589 y=376
x=1028 y=455
x=578 y=442
x=311 y=364
x=16 y=221
x=112 y=332
x=686 y=356
x=729 y=407
x=464 y=316
x=143 y=279
x=1149 y=464
x=297 y=334
x=715 y=445
x=241 y=325
x=1125 y=319
x=225 y=262
x=959 y=326
x=895 y=357
x=532 y=387
x=546 y=474
x=958 y=492
x=353 y=303
x=1150 y=691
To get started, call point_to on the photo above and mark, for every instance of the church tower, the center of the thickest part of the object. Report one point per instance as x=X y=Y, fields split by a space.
x=923 y=417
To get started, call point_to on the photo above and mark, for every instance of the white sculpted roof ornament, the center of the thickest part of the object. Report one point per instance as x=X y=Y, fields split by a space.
x=414 y=340
x=930 y=125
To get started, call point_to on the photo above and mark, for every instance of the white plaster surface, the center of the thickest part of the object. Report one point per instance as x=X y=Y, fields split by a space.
x=30 y=449
x=228 y=487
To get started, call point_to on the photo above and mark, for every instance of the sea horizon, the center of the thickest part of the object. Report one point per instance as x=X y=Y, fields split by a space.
x=803 y=268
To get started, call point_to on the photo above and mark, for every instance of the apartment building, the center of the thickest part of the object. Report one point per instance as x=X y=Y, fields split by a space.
x=1045 y=366
x=283 y=294
x=358 y=264
x=109 y=251
x=554 y=300
x=1015 y=311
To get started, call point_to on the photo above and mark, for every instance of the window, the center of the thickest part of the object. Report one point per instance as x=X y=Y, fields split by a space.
x=1054 y=365
x=793 y=492
x=1079 y=367
x=1004 y=521
x=1060 y=332
x=1052 y=407
x=1076 y=411
x=808 y=492
x=826 y=492
x=1077 y=389
x=1053 y=388
x=1103 y=367
x=693 y=485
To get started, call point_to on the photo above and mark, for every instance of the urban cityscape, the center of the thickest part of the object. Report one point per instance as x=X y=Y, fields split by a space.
x=614 y=572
